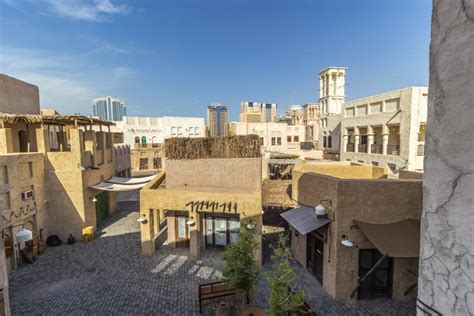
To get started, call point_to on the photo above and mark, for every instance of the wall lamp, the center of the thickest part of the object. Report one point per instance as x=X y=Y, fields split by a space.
x=22 y=236
x=250 y=225
x=320 y=209
x=142 y=219
x=346 y=242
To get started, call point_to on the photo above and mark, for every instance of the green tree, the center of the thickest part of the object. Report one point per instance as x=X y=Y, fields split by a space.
x=284 y=299
x=240 y=267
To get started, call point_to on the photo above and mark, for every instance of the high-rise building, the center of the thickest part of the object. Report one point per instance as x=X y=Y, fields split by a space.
x=258 y=112
x=109 y=108
x=217 y=120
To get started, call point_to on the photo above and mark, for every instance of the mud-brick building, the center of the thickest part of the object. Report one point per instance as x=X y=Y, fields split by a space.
x=355 y=230
x=210 y=188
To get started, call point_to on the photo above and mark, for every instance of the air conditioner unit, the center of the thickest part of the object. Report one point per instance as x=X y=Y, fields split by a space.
x=26 y=194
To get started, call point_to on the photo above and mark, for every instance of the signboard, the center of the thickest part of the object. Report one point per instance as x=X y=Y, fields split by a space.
x=212 y=206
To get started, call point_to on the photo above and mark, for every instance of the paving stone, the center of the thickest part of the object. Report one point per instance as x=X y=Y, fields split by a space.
x=110 y=277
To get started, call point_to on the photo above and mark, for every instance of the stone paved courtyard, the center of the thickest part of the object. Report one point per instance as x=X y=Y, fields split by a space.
x=109 y=276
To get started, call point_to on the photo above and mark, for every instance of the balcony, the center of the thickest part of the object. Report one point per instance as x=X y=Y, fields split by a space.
x=350 y=148
x=376 y=149
x=393 y=150
x=362 y=148
x=421 y=150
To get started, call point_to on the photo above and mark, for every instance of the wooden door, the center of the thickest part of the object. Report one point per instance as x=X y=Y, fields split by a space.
x=315 y=256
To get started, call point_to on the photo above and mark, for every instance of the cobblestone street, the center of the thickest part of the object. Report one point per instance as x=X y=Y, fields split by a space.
x=110 y=276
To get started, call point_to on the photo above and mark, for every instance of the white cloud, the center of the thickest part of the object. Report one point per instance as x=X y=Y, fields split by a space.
x=66 y=82
x=82 y=10
x=120 y=73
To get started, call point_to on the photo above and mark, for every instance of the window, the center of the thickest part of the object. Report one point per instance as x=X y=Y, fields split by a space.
x=296 y=139
x=375 y=163
x=273 y=141
x=279 y=141
x=329 y=142
x=325 y=141
x=392 y=166
x=261 y=141
x=143 y=164
x=288 y=139
x=156 y=162
x=137 y=140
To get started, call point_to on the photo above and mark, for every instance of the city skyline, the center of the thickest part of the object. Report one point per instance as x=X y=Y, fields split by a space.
x=182 y=62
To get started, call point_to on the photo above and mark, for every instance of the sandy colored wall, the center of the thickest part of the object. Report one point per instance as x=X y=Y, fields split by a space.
x=372 y=201
x=410 y=175
x=248 y=206
x=148 y=153
x=368 y=200
x=241 y=174
x=18 y=97
x=70 y=198
x=19 y=173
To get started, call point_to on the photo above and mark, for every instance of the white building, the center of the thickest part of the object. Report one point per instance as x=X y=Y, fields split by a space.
x=331 y=98
x=154 y=130
x=311 y=122
x=386 y=130
x=109 y=108
x=258 y=112
x=276 y=137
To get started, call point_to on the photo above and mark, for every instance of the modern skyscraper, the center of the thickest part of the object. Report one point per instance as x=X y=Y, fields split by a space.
x=258 y=112
x=217 y=120
x=109 y=108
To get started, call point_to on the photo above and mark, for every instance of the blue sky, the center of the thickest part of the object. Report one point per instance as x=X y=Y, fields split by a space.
x=174 y=57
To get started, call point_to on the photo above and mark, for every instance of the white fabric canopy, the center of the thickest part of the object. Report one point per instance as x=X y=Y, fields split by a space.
x=119 y=180
x=122 y=184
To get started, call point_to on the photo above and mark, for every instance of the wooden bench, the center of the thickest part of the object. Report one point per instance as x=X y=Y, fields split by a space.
x=214 y=290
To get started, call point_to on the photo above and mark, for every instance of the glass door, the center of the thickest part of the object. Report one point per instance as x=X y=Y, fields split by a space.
x=182 y=231
x=220 y=231
x=234 y=230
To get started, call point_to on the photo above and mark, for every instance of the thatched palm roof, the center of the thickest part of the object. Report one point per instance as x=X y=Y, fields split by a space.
x=52 y=119
x=277 y=193
x=213 y=147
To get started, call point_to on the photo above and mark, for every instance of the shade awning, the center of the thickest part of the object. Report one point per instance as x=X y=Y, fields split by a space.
x=304 y=219
x=399 y=240
x=122 y=184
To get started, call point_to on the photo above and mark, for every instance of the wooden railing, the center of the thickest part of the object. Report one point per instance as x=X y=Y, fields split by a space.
x=376 y=149
x=393 y=150
x=362 y=148
x=421 y=150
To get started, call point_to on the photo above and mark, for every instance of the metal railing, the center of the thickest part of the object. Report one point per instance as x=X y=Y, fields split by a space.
x=350 y=148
